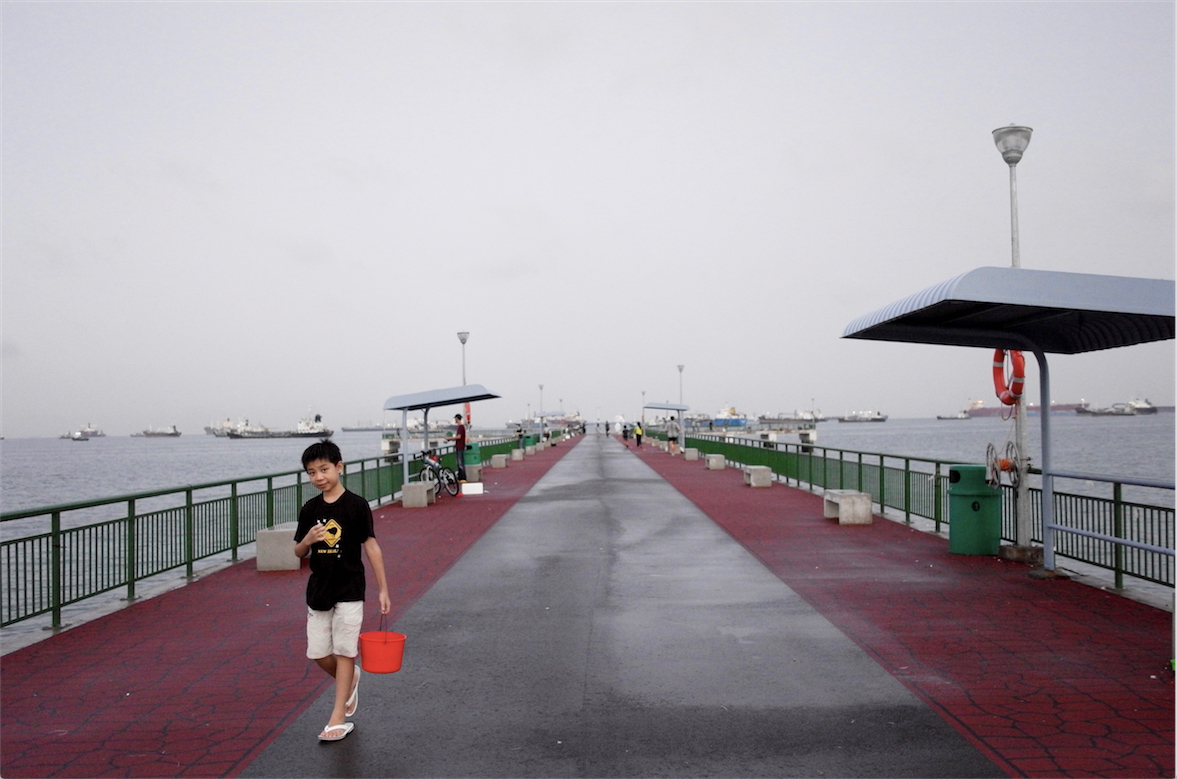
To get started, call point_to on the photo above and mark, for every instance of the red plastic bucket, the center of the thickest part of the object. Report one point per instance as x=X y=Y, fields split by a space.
x=381 y=651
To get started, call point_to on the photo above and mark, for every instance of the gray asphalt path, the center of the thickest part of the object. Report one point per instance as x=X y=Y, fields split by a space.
x=606 y=627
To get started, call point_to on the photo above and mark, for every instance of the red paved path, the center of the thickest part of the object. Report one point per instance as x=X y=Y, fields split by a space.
x=197 y=681
x=1048 y=677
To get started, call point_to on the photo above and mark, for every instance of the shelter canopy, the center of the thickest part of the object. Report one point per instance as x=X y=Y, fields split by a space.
x=668 y=407
x=1016 y=308
x=452 y=396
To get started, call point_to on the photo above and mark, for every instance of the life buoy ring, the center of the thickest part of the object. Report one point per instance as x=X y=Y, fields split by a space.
x=1009 y=395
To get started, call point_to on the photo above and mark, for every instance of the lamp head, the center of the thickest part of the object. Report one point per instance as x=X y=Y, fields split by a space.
x=462 y=336
x=1011 y=142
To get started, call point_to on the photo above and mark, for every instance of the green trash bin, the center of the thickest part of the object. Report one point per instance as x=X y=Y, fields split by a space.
x=529 y=440
x=974 y=512
x=473 y=454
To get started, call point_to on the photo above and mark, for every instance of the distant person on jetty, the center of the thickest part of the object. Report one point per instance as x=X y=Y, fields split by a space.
x=672 y=435
x=332 y=528
x=459 y=439
x=637 y=433
x=625 y=433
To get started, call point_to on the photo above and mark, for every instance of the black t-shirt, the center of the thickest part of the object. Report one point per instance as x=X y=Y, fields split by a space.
x=337 y=566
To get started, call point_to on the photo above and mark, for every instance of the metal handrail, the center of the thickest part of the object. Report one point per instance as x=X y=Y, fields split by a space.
x=849 y=470
x=44 y=571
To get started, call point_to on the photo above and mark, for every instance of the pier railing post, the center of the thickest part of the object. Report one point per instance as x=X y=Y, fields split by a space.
x=1118 y=519
x=270 y=500
x=131 y=550
x=234 y=521
x=936 y=500
x=189 y=534
x=55 y=567
x=907 y=490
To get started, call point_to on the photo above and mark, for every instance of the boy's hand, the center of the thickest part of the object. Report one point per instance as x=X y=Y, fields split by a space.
x=385 y=603
x=314 y=535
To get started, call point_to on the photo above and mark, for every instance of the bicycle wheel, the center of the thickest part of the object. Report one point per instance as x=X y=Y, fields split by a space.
x=449 y=480
x=429 y=476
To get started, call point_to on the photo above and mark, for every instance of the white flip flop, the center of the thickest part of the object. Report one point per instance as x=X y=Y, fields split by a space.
x=329 y=733
x=353 y=700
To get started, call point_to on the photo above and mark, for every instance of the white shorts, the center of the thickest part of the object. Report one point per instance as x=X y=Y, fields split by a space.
x=335 y=631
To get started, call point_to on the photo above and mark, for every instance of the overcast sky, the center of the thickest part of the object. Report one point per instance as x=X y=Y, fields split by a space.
x=226 y=210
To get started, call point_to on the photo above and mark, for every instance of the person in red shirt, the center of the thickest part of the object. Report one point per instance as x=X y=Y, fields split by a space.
x=459 y=439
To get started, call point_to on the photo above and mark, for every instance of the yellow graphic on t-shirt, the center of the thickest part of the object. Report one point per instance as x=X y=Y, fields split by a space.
x=332 y=532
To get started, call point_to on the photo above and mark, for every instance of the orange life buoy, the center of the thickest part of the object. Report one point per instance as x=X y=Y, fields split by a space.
x=1009 y=395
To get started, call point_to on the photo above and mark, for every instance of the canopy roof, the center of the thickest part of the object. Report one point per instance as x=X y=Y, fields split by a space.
x=668 y=407
x=440 y=397
x=1015 y=308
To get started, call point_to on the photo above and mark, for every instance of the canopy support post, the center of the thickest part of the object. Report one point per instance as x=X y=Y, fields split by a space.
x=1047 y=465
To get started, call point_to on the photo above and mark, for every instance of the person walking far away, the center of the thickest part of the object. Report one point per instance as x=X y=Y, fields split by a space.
x=637 y=433
x=459 y=439
x=625 y=433
x=672 y=436
x=333 y=527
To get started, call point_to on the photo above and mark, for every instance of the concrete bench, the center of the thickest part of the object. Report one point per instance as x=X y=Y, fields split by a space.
x=418 y=495
x=715 y=462
x=529 y=449
x=275 y=548
x=516 y=454
x=690 y=454
x=474 y=472
x=758 y=476
x=851 y=507
x=498 y=461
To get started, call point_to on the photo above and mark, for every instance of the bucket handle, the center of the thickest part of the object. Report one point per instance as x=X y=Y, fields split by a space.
x=383 y=632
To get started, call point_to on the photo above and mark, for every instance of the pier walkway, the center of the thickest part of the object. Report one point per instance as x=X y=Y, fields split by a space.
x=606 y=612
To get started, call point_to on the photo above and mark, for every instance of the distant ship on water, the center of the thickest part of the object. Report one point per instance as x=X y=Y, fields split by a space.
x=307 y=428
x=163 y=432
x=977 y=408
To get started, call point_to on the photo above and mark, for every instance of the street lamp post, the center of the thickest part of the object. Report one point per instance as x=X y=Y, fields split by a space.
x=462 y=336
x=643 y=408
x=682 y=419
x=1011 y=143
x=541 y=413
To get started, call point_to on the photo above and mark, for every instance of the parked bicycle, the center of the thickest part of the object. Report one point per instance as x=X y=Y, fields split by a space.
x=441 y=477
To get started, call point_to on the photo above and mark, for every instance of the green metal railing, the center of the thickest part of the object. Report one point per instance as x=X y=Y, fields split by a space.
x=918 y=487
x=56 y=556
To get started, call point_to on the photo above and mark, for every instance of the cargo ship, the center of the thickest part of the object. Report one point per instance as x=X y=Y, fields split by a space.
x=978 y=409
x=151 y=432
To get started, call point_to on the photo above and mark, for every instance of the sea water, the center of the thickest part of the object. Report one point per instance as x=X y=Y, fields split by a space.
x=36 y=472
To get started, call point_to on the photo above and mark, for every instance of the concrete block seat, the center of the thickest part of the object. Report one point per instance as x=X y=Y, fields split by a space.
x=417 y=495
x=758 y=476
x=474 y=472
x=498 y=461
x=275 y=548
x=690 y=454
x=851 y=507
x=715 y=462
x=516 y=454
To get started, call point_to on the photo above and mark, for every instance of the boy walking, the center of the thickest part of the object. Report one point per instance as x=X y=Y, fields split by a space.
x=333 y=528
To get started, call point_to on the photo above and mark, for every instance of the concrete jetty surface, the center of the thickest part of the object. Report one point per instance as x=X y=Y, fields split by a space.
x=605 y=612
